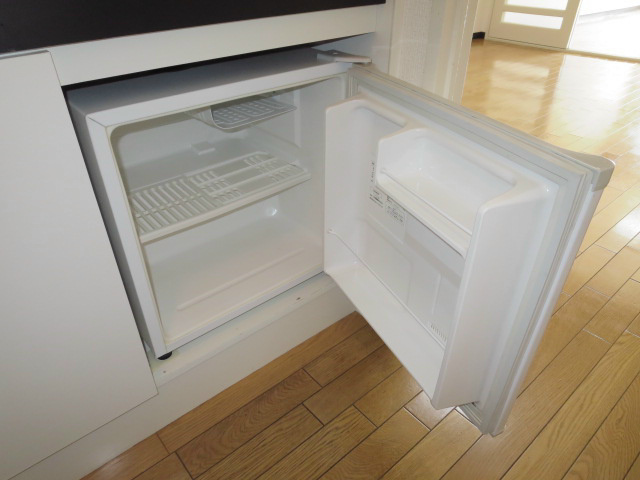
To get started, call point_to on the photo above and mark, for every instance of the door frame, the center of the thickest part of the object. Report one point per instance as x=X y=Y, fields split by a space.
x=441 y=35
x=535 y=36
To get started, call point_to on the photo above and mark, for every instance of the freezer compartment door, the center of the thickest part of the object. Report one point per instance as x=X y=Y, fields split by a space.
x=449 y=232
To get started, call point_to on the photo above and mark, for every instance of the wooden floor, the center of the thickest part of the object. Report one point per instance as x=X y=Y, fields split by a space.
x=340 y=406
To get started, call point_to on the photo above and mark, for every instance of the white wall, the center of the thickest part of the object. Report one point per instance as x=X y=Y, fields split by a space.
x=599 y=6
x=483 y=15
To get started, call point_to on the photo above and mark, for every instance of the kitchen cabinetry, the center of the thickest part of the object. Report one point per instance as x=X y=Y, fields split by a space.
x=72 y=359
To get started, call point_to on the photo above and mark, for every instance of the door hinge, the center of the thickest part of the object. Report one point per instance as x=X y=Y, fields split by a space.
x=338 y=56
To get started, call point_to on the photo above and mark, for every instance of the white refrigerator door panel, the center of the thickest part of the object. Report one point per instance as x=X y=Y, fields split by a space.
x=446 y=230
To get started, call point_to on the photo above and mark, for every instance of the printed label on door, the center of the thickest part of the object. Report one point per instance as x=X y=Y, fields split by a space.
x=372 y=174
x=377 y=196
x=388 y=204
x=387 y=214
x=394 y=210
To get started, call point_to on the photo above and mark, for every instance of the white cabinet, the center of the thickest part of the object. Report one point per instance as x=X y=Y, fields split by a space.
x=72 y=358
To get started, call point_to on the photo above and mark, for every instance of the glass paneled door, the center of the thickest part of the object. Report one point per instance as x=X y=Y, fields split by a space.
x=540 y=22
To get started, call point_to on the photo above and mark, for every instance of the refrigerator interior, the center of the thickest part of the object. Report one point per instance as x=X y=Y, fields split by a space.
x=228 y=202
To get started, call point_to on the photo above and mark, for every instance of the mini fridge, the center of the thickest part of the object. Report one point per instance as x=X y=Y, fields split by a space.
x=224 y=185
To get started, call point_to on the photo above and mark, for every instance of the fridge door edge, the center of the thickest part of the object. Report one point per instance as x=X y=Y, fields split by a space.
x=579 y=178
x=107 y=183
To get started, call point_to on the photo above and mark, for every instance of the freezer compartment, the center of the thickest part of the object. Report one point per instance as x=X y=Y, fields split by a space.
x=179 y=172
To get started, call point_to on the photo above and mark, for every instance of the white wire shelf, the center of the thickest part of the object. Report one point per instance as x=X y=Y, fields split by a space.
x=239 y=115
x=195 y=197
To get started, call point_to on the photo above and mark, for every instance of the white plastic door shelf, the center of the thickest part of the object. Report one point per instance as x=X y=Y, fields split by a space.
x=450 y=233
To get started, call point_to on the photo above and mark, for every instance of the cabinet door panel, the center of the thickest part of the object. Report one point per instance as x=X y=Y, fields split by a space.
x=72 y=357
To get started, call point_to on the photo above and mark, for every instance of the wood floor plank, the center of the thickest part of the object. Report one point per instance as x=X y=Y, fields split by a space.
x=320 y=452
x=133 y=462
x=555 y=449
x=610 y=215
x=616 y=444
x=622 y=232
x=203 y=417
x=586 y=266
x=562 y=299
x=170 y=468
x=380 y=450
x=436 y=452
x=267 y=448
x=624 y=178
x=389 y=396
x=634 y=471
x=421 y=408
x=337 y=360
x=617 y=314
x=490 y=457
x=563 y=326
x=210 y=447
x=609 y=194
x=353 y=384
x=635 y=326
x=615 y=273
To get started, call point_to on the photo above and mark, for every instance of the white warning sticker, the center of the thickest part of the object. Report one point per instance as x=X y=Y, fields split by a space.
x=394 y=210
x=377 y=196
